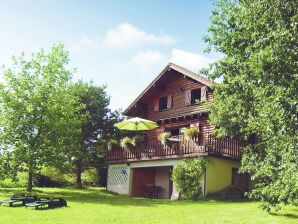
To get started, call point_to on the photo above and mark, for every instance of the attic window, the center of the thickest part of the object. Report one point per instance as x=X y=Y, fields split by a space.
x=163 y=102
x=195 y=95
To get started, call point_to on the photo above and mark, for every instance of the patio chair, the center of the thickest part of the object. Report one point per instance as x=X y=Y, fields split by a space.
x=47 y=203
x=19 y=200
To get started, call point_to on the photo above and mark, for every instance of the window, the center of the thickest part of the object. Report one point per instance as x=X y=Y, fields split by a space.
x=163 y=103
x=195 y=95
x=175 y=132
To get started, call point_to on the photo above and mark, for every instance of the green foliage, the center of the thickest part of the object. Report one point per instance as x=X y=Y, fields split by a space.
x=88 y=145
x=21 y=180
x=90 y=177
x=189 y=133
x=163 y=137
x=39 y=112
x=187 y=174
x=201 y=102
x=93 y=129
x=126 y=143
x=258 y=98
x=62 y=178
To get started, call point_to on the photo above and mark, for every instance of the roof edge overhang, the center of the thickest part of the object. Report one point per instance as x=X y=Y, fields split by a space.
x=179 y=69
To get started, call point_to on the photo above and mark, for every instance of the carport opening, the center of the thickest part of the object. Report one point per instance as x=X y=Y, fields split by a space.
x=152 y=182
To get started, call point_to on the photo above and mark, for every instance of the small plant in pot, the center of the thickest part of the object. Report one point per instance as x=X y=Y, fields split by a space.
x=126 y=143
x=163 y=137
x=112 y=144
x=189 y=133
x=200 y=102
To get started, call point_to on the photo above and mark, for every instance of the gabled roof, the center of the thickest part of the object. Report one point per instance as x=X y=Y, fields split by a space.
x=177 y=68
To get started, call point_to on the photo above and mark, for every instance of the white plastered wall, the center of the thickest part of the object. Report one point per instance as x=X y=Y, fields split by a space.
x=162 y=179
x=119 y=178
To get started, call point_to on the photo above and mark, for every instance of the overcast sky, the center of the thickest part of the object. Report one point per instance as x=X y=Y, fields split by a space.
x=122 y=44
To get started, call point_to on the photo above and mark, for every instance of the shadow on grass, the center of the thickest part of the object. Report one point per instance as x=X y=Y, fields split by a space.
x=100 y=196
x=288 y=215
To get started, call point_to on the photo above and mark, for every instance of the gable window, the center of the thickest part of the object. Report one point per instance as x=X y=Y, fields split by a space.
x=195 y=95
x=163 y=103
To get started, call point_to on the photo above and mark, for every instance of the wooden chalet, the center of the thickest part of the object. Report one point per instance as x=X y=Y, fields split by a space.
x=171 y=100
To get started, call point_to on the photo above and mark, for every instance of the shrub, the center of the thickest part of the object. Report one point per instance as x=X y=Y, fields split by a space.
x=187 y=174
x=21 y=181
x=126 y=143
x=189 y=133
x=53 y=177
x=163 y=137
x=90 y=177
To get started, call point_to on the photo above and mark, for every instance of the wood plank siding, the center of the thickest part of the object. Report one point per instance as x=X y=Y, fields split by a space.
x=179 y=115
x=178 y=103
x=167 y=101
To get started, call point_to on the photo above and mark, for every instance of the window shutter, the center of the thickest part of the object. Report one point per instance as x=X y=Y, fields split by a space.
x=187 y=97
x=204 y=93
x=169 y=102
x=156 y=105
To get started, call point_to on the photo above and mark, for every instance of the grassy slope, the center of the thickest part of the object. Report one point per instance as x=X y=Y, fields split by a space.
x=96 y=206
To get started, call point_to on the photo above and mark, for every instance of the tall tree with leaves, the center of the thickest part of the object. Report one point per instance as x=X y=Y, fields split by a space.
x=39 y=112
x=95 y=131
x=258 y=98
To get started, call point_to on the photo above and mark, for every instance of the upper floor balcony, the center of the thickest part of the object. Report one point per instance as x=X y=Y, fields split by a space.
x=178 y=148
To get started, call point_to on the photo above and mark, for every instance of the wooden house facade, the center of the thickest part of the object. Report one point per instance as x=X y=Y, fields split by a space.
x=174 y=99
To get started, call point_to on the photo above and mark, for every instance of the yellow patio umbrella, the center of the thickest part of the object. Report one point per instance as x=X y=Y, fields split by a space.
x=136 y=124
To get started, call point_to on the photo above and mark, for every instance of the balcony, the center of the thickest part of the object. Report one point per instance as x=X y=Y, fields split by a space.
x=178 y=148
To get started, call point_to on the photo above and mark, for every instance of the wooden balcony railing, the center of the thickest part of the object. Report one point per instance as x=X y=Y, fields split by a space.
x=225 y=147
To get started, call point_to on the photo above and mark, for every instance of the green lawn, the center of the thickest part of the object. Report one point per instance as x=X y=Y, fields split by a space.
x=96 y=206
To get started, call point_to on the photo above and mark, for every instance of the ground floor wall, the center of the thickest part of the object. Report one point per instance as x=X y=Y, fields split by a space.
x=129 y=178
x=119 y=178
x=219 y=173
x=163 y=179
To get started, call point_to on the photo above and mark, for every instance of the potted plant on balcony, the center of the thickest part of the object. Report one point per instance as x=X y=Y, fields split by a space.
x=126 y=143
x=112 y=144
x=164 y=138
x=189 y=133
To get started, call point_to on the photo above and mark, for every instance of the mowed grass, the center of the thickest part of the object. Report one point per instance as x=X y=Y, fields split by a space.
x=94 y=205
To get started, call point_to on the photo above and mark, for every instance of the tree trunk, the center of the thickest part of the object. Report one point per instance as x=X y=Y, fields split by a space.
x=102 y=173
x=30 y=179
x=79 y=174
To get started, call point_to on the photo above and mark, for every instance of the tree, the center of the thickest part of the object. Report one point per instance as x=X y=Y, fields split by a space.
x=258 y=97
x=95 y=131
x=39 y=112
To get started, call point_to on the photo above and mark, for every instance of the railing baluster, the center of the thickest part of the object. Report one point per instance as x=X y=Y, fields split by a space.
x=219 y=146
